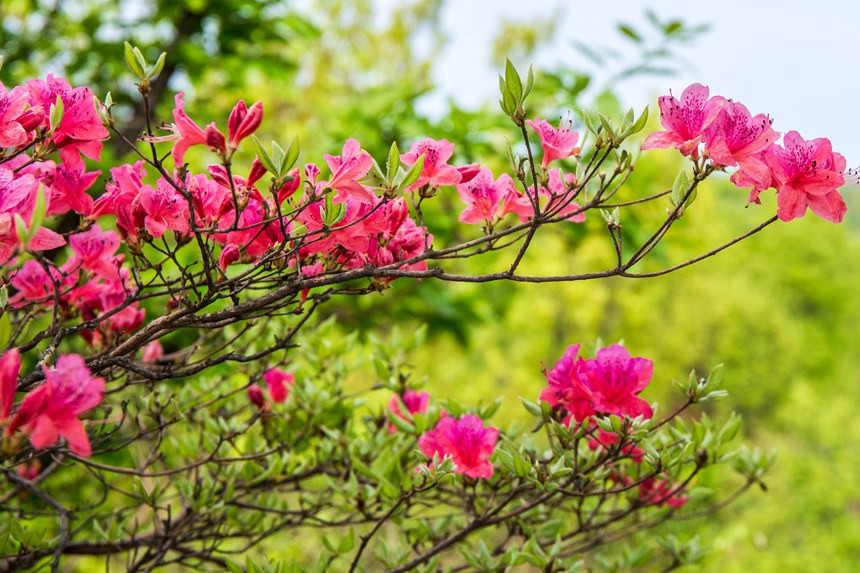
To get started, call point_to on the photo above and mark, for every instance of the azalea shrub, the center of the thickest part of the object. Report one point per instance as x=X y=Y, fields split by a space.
x=171 y=396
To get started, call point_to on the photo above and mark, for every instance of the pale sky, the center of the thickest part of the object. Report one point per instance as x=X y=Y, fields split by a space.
x=792 y=59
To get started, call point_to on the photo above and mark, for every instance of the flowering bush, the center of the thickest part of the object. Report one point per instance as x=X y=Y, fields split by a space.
x=208 y=286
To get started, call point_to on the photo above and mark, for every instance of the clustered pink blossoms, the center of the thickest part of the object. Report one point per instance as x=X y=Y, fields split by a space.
x=805 y=173
x=608 y=384
x=52 y=410
x=466 y=441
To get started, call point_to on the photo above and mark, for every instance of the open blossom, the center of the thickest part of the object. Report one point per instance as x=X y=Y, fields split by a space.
x=12 y=104
x=81 y=131
x=164 y=209
x=737 y=138
x=10 y=364
x=279 y=383
x=415 y=402
x=557 y=143
x=18 y=194
x=51 y=411
x=33 y=284
x=68 y=189
x=187 y=131
x=685 y=120
x=616 y=379
x=466 y=441
x=607 y=384
x=347 y=169
x=94 y=251
x=483 y=196
x=807 y=174
x=436 y=170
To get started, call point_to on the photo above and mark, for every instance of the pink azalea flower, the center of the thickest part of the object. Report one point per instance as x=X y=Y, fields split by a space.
x=33 y=284
x=807 y=174
x=615 y=380
x=68 y=190
x=51 y=411
x=18 y=196
x=685 y=121
x=279 y=383
x=10 y=364
x=347 y=169
x=188 y=132
x=153 y=351
x=560 y=197
x=210 y=198
x=81 y=131
x=436 y=171
x=736 y=138
x=415 y=402
x=122 y=198
x=466 y=441
x=557 y=143
x=12 y=104
x=482 y=195
x=568 y=387
x=165 y=209
x=94 y=252
x=660 y=492
x=243 y=122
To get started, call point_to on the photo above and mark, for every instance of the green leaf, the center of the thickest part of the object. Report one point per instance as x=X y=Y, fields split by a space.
x=679 y=188
x=393 y=161
x=347 y=543
x=292 y=154
x=56 y=116
x=513 y=81
x=159 y=65
x=413 y=174
x=533 y=408
x=530 y=83
x=4 y=296
x=264 y=156
x=21 y=230
x=509 y=102
x=38 y=214
x=630 y=33
x=5 y=330
x=132 y=62
x=639 y=124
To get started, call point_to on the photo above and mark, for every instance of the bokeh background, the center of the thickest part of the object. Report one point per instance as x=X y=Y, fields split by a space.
x=779 y=310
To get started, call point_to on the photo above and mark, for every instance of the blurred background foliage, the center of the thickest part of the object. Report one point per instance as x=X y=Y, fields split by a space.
x=779 y=310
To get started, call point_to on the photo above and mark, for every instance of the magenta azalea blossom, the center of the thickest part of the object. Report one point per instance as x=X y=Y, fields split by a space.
x=12 y=104
x=466 y=441
x=415 y=402
x=94 y=252
x=807 y=174
x=685 y=121
x=68 y=190
x=279 y=383
x=51 y=411
x=436 y=171
x=483 y=195
x=81 y=131
x=615 y=380
x=660 y=492
x=188 y=133
x=165 y=209
x=33 y=284
x=557 y=143
x=347 y=169
x=737 y=139
x=10 y=364
x=607 y=384
x=567 y=387
x=18 y=194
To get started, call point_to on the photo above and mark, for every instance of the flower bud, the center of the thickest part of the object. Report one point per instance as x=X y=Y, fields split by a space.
x=243 y=122
x=255 y=395
x=215 y=139
x=229 y=255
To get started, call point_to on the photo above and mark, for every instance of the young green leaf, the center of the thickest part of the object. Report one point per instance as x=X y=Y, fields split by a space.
x=413 y=174
x=132 y=62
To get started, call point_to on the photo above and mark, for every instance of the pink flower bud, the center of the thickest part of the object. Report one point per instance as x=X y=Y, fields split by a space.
x=229 y=255
x=290 y=187
x=243 y=122
x=215 y=139
x=153 y=351
x=30 y=470
x=255 y=395
x=468 y=172
x=278 y=382
x=257 y=172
